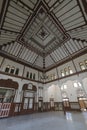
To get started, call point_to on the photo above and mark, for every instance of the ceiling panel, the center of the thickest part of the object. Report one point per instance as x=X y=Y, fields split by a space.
x=49 y=61
x=39 y=62
x=79 y=33
x=31 y=30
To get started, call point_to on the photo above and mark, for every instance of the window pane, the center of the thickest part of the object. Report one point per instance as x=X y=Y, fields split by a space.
x=31 y=103
x=53 y=76
x=27 y=75
x=17 y=71
x=82 y=66
x=7 y=68
x=79 y=84
x=85 y=62
x=34 y=76
x=66 y=71
x=75 y=85
x=61 y=87
x=48 y=77
x=12 y=70
x=25 y=106
x=6 y=95
x=62 y=73
x=30 y=75
x=70 y=70
x=65 y=86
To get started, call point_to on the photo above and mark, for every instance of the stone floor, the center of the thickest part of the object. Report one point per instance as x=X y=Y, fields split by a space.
x=46 y=121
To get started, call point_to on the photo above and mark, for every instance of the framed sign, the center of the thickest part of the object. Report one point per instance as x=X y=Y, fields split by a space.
x=28 y=94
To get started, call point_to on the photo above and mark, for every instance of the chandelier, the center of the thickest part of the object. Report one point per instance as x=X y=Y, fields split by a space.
x=44 y=76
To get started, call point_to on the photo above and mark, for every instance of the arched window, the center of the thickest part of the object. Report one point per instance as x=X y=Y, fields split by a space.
x=48 y=77
x=30 y=75
x=62 y=73
x=7 y=68
x=17 y=71
x=12 y=70
x=66 y=71
x=64 y=87
x=82 y=66
x=77 y=84
x=70 y=70
x=85 y=63
x=34 y=76
x=51 y=76
x=27 y=75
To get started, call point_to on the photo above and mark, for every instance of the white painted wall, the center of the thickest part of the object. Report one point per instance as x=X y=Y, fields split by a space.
x=66 y=65
x=12 y=63
x=30 y=70
x=20 y=66
x=21 y=82
x=70 y=63
x=52 y=89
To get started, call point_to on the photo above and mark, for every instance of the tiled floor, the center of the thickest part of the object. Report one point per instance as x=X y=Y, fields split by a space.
x=46 y=121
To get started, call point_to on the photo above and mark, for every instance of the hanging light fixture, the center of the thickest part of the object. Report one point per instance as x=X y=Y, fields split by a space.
x=44 y=76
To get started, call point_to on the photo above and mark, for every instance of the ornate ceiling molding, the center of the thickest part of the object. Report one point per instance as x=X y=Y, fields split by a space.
x=43 y=30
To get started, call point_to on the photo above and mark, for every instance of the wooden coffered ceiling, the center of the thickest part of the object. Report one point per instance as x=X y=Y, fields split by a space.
x=38 y=32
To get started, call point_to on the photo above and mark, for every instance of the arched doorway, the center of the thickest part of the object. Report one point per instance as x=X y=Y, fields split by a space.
x=82 y=99
x=65 y=100
x=28 y=100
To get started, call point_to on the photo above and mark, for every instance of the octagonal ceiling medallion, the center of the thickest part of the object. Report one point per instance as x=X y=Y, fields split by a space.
x=43 y=30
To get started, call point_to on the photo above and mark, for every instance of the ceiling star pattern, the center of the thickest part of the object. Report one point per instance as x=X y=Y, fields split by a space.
x=43 y=33
x=43 y=29
x=31 y=30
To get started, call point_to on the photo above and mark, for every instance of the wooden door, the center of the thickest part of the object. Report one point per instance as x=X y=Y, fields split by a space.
x=28 y=103
x=52 y=103
x=66 y=104
x=40 y=105
x=82 y=103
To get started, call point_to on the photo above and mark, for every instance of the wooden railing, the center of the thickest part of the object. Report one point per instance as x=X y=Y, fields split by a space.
x=13 y=109
x=4 y=109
